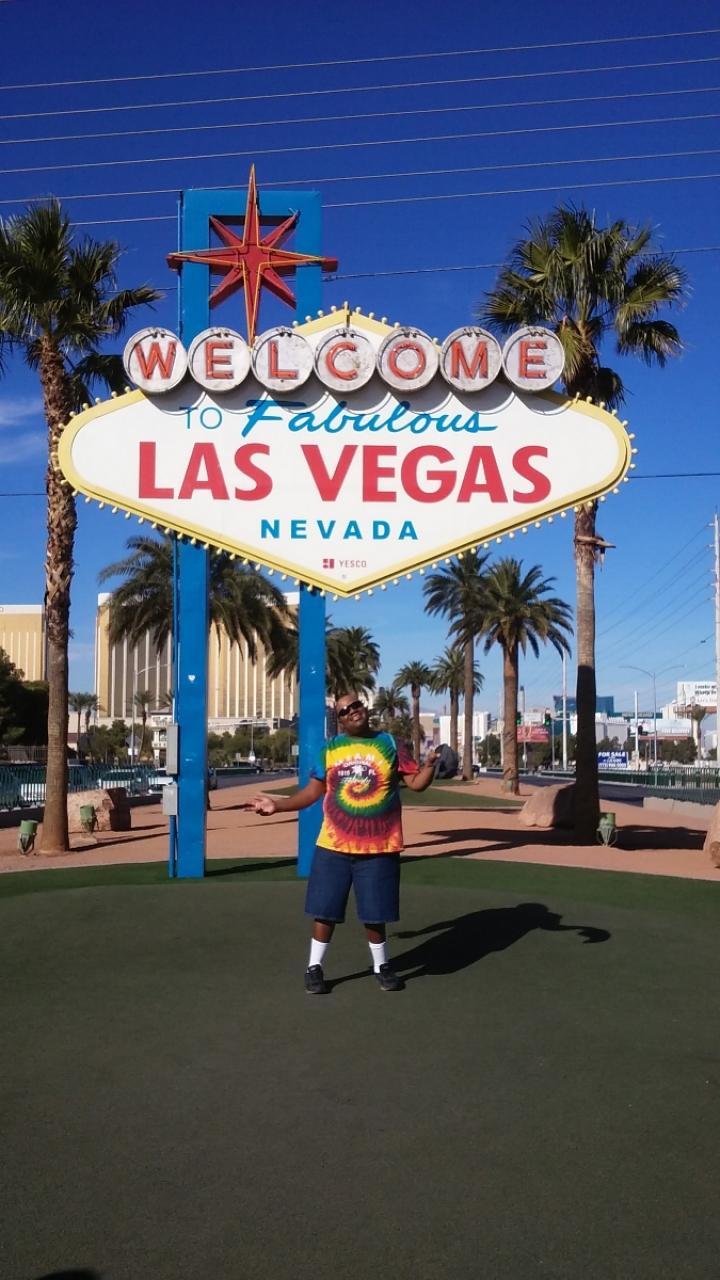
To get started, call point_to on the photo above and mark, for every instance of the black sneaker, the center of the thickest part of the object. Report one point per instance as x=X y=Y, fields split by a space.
x=388 y=979
x=315 y=983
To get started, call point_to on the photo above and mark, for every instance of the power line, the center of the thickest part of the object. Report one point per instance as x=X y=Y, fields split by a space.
x=701 y=532
x=351 y=146
x=455 y=195
x=512 y=191
x=402 y=173
x=641 y=601
x=687 y=613
x=365 y=88
x=349 y=62
x=482 y=266
x=362 y=115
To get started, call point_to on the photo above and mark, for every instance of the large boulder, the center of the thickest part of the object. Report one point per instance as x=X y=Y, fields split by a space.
x=550 y=807
x=712 y=840
x=112 y=809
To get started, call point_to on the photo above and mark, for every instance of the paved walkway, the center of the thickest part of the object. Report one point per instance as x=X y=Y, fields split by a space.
x=653 y=841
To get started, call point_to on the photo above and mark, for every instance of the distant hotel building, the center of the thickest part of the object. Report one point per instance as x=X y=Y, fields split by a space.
x=22 y=636
x=238 y=689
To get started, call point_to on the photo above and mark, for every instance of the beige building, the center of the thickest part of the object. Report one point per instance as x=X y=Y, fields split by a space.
x=238 y=689
x=22 y=636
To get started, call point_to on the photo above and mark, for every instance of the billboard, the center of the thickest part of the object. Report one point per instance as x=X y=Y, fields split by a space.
x=612 y=759
x=532 y=733
x=344 y=452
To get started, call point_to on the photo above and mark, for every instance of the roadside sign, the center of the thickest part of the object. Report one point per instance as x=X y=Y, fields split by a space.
x=612 y=759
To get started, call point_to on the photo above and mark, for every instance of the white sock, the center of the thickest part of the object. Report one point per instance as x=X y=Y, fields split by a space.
x=378 y=951
x=317 y=952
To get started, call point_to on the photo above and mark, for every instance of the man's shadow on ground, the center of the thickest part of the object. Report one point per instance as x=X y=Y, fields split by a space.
x=451 y=945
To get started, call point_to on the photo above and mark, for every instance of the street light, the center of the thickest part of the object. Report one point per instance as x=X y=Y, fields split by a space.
x=522 y=695
x=630 y=667
x=143 y=671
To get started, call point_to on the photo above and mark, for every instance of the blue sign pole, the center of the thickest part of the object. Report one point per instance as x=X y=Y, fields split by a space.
x=311 y=619
x=191 y=590
x=196 y=209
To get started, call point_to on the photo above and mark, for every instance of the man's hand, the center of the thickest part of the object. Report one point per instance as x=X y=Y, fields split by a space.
x=264 y=805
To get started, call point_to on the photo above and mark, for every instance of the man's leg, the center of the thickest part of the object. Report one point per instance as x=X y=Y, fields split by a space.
x=377 y=891
x=387 y=978
x=326 y=899
x=377 y=942
x=322 y=933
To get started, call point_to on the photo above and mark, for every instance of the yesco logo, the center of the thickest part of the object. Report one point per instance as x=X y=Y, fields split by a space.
x=345 y=359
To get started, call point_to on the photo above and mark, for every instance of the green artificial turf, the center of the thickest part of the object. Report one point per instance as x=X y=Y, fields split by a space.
x=540 y=1101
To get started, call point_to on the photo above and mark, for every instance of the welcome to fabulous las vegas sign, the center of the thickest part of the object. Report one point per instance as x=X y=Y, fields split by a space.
x=343 y=452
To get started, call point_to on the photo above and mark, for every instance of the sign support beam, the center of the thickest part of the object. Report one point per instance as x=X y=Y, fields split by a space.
x=196 y=209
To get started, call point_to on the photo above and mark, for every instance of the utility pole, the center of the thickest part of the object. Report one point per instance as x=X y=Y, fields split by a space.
x=564 y=712
x=637 y=733
x=716 y=540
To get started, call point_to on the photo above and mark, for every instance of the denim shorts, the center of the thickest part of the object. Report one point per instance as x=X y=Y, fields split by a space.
x=375 y=877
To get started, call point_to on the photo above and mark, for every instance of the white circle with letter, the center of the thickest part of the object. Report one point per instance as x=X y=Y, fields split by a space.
x=345 y=360
x=408 y=360
x=282 y=359
x=533 y=358
x=155 y=360
x=471 y=359
x=219 y=359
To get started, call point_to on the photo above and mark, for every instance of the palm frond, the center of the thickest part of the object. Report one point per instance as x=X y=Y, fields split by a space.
x=655 y=341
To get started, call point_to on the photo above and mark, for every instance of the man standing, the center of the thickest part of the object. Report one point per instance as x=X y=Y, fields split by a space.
x=358 y=774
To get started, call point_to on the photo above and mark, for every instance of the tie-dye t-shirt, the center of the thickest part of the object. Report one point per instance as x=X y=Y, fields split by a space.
x=361 y=809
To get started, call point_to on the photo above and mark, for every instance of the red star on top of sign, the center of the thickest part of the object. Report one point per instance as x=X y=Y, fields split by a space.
x=253 y=261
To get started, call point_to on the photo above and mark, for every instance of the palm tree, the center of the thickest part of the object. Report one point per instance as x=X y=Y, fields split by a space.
x=352 y=657
x=455 y=592
x=363 y=657
x=697 y=715
x=517 y=613
x=82 y=702
x=416 y=675
x=390 y=703
x=242 y=602
x=92 y=706
x=142 y=704
x=59 y=302
x=589 y=283
x=448 y=676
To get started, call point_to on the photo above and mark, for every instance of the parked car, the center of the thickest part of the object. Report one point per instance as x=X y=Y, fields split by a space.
x=157 y=781
x=161 y=779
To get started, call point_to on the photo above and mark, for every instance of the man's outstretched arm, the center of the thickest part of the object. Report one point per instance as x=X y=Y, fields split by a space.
x=421 y=780
x=267 y=805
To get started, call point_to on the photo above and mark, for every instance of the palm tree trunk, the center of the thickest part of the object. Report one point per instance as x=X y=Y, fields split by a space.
x=454 y=710
x=61 y=524
x=511 y=780
x=587 y=796
x=416 y=722
x=468 y=709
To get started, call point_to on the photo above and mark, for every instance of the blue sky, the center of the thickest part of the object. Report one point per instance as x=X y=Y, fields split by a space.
x=438 y=101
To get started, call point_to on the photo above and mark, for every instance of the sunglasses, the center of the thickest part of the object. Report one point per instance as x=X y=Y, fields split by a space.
x=351 y=706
